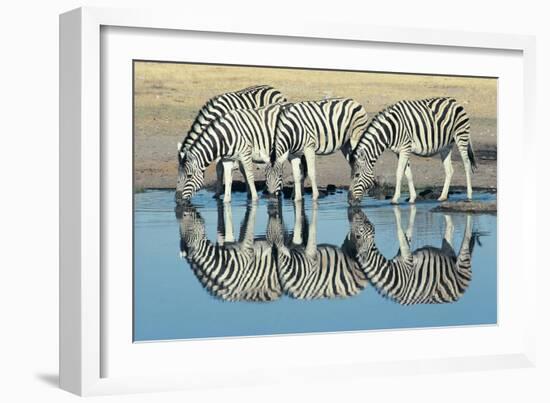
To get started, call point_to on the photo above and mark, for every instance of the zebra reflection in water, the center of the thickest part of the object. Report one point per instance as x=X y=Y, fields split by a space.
x=308 y=270
x=229 y=270
x=425 y=276
x=263 y=268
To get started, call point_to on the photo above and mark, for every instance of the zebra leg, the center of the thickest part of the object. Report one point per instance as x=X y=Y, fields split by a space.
x=465 y=247
x=228 y=215
x=228 y=179
x=309 y=153
x=311 y=246
x=297 y=173
x=219 y=179
x=401 y=165
x=410 y=228
x=463 y=149
x=412 y=190
x=298 y=221
x=248 y=169
x=449 y=229
x=221 y=224
x=404 y=247
x=448 y=165
x=246 y=236
x=464 y=258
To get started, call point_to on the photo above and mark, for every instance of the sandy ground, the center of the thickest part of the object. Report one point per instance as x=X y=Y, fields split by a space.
x=168 y=96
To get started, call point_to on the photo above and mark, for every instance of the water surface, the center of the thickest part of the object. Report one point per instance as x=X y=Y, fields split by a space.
x=173 y=300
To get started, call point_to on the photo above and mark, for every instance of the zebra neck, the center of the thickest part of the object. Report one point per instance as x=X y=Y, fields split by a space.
x=378 y=141
x=206 y=149
x=288 y=139
x=372 y=260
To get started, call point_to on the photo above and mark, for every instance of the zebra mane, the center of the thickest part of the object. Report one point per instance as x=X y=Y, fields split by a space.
x=273 y=154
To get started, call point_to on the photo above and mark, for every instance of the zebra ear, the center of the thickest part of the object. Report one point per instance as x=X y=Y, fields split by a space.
x=179 y=146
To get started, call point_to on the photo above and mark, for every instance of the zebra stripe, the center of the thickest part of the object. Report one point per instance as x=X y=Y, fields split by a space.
x=329 y=274
x=421 y=127
x=245 y=271
x=215 y=108
x=313 y=271
x=244 y=135
x=313 y=128
x=428 y=275
x=248 y=98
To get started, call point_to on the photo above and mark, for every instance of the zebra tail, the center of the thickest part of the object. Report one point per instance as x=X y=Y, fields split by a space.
x=472 y=157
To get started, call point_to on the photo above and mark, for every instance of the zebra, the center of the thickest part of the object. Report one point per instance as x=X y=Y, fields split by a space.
x=248 y=98
x=427 y=275
x=421 y=127
x=306 y=129
x=244 y=135
x=310 y=271
x=230 y=271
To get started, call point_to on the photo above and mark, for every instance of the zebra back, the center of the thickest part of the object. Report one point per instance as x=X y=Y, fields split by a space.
x=428 y=276
x=239 y=272
x=325 y=125
x=425 y=125
x=330 y=274
x=251 y=97
x=232 y=274
x=237 y=132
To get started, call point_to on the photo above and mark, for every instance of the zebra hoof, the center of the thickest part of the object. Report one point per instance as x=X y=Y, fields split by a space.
x=412 y=201
x=395 y=202
x=442 y=199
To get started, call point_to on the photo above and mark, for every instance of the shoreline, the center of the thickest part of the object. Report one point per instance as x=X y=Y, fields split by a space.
x=428 y=194
x=381 y=192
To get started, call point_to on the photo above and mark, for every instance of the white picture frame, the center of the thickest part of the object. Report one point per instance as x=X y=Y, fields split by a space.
x=83 y=177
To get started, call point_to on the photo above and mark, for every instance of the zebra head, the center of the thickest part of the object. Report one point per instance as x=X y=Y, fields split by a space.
x=362 y=176
x=275 y=232
x=192 y=228
x=190 y=179
x=361 y=233
x=274 y=178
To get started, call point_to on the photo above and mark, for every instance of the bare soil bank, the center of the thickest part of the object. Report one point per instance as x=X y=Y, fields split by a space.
x=168 y=96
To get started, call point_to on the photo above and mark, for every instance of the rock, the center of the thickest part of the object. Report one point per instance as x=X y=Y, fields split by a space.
x=381 y=191
x=427 y=194
x=474 y=207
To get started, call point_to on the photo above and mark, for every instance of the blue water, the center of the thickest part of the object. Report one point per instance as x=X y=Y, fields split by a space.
x=171 y=303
